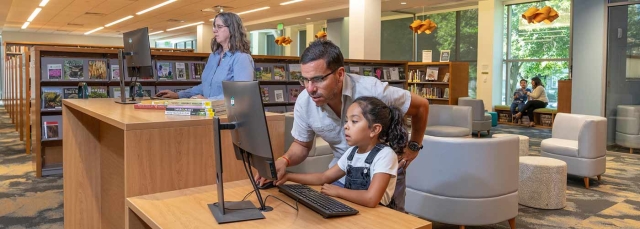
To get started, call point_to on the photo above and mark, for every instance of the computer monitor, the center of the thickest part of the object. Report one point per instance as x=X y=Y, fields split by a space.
x=138 y=53
x=251 y=143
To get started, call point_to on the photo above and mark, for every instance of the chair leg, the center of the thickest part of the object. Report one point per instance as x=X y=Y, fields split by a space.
x=630 y=150
x=512 y=223
x=586 y=182
x=598 y=177
x=488 y=132
x=478 y=133
x=461 y=226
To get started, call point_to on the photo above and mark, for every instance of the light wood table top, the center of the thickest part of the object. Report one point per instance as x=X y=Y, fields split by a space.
x=187 y=208
x=125 y=117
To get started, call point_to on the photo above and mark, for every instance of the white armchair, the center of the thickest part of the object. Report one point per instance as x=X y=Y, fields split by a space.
x=320 y=154
x=628 y=127
x=449 y=121
x=481 y=120
x=465 y=181
x=580 y=141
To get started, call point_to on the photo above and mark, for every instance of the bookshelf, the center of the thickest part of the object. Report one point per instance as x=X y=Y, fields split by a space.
x=47 y=149
x=15 y=91
x=436 y=90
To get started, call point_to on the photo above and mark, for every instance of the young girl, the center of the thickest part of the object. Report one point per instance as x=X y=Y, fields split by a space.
x=376 y=132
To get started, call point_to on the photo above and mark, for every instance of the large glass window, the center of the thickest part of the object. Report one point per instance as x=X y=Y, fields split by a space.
x=536 y=49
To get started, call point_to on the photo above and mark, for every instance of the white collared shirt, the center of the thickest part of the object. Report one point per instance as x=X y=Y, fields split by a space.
x=311 y=120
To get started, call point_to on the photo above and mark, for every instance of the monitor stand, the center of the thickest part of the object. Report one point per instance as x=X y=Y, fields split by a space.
x=233 y=211
x=123 y=96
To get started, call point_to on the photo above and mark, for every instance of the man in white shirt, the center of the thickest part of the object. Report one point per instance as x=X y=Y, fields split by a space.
x=321 y=109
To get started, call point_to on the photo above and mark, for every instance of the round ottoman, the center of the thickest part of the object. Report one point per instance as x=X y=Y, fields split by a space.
x=543 y=182
x=524 y=143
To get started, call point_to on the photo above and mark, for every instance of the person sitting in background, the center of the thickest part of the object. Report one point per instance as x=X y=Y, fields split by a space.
x=519 y=99
x=377 y=136
x=230 y=60
x=537 y=99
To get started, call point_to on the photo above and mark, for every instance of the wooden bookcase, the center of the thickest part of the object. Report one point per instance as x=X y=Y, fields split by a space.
x=16 y=90
x=48 y=152
x=457 y=85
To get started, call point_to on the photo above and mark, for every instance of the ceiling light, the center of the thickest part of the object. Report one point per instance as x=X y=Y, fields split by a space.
x=290 y=2
x=184 y=26
x=155 y=7
x=308 y=18
x=403 y=3
x=24 y=26
x=34 y=14
x=254 y=10
x=90 y=32
x=426 y=26
x=154 y=33
x=535 y=15
x=43 y=3
x=118 y=21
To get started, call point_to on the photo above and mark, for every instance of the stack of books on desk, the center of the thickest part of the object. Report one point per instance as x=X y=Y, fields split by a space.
x=187 y=107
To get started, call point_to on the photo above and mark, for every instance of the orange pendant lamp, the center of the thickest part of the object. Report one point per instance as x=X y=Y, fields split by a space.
x=545 y=14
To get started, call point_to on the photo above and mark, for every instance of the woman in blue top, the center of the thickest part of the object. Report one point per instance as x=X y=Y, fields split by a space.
x=230 y=60
x=519 y=99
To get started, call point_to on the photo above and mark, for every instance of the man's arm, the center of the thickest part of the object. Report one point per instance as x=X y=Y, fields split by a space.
x=419 y=112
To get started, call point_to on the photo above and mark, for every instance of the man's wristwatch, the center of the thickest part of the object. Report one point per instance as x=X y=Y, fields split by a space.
x=414 y=146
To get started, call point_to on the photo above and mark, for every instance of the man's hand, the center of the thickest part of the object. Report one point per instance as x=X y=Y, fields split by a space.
x=198 y=97
x=167 y=94
x=281 y=168
x=330 y=190
x=407 y=157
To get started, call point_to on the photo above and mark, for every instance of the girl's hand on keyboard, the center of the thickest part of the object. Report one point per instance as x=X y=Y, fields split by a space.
x=330 y=190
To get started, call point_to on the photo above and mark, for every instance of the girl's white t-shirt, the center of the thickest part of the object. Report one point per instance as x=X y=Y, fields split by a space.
x=385 y=162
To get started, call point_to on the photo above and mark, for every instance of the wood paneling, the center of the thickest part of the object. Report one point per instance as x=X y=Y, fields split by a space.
x=188 y=209
x=564 y=96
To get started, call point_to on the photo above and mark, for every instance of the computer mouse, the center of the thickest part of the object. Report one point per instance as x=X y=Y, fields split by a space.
x=266 y=185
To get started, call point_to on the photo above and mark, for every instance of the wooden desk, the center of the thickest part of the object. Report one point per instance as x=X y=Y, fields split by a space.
x=187 y=208
x=113 y=151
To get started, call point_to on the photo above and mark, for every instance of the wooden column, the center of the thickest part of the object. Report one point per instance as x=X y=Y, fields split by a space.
x=564 y=96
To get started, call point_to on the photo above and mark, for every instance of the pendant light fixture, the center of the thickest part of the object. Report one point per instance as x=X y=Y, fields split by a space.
x=426 y=26
x=545 y=14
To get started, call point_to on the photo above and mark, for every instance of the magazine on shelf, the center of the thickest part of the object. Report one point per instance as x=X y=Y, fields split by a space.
x=73 y=69
x=279 y=72
x=70 y=92
x=51 y=98
x=164 y=71
x=295 y=72
x=196 y=70
x=51 y=130
x=432 y=74
x=395 y=75
x=54 y=71
x=98 y=92
x=354 y=70
x=181 y=71
x=115 y=72
x=279 y=95
x=98 y=69
x=445 y=55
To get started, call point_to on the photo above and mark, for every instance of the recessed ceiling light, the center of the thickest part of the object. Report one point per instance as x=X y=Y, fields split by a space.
x=254 y=10
x=308 y=18
x=156 y=32
x=290 y=2
x=24 y=26
x=34 y=14
x=155 y=7
x=118 y=21
x=43 y=3
x=184 y=26
x=92 y=31
x=403 y=3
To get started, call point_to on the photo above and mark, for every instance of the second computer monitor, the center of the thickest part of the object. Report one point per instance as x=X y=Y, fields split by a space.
x=138 y=53
x=245 y=108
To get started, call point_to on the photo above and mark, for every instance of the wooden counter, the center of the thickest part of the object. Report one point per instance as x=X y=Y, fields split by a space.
x=113 y=151
x=187 y=208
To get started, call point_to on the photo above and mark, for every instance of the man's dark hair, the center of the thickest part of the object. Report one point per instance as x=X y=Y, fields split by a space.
x=525 y=81
x=323 y=49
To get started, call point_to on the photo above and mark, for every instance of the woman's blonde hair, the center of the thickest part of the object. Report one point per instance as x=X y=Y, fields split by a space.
x=238 y=41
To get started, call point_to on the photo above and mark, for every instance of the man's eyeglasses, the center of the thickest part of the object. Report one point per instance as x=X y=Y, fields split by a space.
x=316 y=80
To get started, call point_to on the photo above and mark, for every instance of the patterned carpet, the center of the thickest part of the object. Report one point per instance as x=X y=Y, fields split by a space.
x=614 y=202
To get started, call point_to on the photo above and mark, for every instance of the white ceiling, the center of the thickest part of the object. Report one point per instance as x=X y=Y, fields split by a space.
x=80 y=16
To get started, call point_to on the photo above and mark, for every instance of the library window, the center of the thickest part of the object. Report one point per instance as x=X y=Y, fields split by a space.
x=540 y=50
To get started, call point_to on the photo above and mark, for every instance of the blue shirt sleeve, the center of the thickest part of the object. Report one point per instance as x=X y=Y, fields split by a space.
x=243 y=68
x=197 y=90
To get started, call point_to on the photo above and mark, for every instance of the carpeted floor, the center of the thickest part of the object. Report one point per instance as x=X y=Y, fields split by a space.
x=614 y=202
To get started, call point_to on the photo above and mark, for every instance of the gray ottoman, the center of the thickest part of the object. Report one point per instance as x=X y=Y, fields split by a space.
x=524 y=143
x=543 y=182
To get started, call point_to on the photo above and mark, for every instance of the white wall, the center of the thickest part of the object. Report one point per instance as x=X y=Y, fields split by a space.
x=490 y=50
x=588 y=77
x=60 y=38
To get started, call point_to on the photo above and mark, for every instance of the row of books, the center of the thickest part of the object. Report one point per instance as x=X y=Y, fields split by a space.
x=291 y=72
x=52 y=96
x=280 y=93
x=55 y=69
x=430 y=75
x=546 y=120
x=185 y=107
x=430 y=92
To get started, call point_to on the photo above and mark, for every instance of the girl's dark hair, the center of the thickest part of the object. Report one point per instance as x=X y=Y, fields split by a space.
x=390 y=118
x=537 y=81
x=238 y=41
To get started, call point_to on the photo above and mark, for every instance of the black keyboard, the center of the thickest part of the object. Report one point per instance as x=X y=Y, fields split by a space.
x=322 y=204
